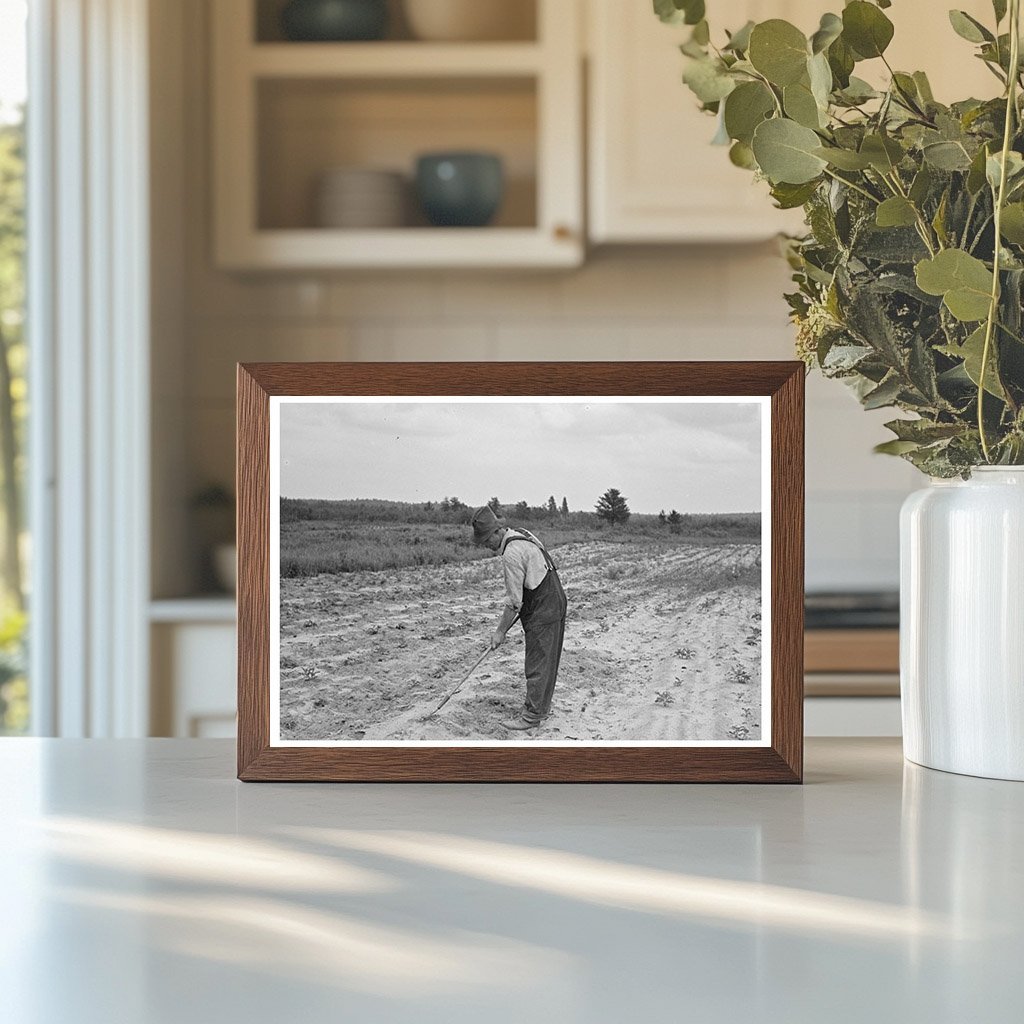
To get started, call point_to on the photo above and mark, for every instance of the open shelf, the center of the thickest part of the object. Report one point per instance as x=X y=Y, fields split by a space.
x=393 y=60
x=287 y=113
x=308 y=127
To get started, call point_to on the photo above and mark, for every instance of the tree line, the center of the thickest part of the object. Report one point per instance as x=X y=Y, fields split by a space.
x=611 y=509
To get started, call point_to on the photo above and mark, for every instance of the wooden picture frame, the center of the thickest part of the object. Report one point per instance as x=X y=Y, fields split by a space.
x=777 y=758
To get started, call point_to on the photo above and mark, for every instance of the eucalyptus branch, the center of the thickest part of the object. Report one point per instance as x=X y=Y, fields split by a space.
x=771 y=89
x=1000 y=199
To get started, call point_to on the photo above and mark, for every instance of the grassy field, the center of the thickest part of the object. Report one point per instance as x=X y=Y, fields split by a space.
x=332 y=539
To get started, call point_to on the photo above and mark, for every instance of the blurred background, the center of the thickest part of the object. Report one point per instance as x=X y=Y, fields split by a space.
x=246 y=180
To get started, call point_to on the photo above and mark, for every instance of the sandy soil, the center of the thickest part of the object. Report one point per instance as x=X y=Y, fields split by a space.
x=660 y=644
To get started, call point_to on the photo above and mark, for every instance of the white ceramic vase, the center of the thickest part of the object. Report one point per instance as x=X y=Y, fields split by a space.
x=962 y=624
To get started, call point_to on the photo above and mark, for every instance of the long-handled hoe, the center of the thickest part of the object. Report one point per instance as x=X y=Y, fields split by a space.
x=479 y=661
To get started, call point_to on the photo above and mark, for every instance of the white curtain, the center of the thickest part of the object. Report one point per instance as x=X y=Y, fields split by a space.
x=88 y=318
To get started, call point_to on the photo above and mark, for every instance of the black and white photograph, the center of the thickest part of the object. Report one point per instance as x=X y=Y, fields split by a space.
x=459 y=571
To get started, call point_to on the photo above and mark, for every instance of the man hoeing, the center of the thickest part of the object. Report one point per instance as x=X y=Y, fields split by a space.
x=534 y=592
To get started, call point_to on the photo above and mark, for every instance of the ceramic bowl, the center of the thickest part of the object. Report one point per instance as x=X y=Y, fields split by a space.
x=460 y=189
x=334 y=20
x=359 y=197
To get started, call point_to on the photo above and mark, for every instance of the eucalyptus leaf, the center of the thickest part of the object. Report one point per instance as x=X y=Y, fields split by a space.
x=884 y=395
x=976 y=173
x=883 y=153
x=785 y=152
x=895 y=447
x=829 y=30
x=1012 y=223
x=739 y=41
x=921 y=185
x=963 y=281
x=820 y=76
x=858 y=91
x=924 y=87
x=923 y=431
x=721 y=136
x=708 y=81
x=946 y=156
x=788 y=196
x=841 y=60
x=800 y=105
x=994 y=169
x=779 y=51
x=972 y=352
x=866 y=30
x=969 y=28
x=675 y=12
x=745 y=108
x=895 y=212
x=741 y=155
x=844 y=159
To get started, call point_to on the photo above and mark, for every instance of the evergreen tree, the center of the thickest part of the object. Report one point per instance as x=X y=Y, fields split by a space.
x=662 y=518
x=612 y=507
x=552 y=505
x=495 y=506
x=428 y=506
x=674 y=519
x=446 y=505
x=565 y=507
x=522 y=510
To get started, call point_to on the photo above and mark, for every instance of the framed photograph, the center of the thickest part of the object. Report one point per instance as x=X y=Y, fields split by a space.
x=520 y=572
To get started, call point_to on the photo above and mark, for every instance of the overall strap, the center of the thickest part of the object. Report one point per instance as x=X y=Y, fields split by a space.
x=548 y=560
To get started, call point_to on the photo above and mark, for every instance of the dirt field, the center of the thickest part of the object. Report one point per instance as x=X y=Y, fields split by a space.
x=661 y=643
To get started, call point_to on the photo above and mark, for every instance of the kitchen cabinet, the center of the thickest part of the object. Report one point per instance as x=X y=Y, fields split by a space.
x=286 y=113
x=193 y=671
x=653 y=175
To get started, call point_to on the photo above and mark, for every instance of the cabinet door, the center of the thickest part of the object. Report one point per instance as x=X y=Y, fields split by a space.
x=653 y=175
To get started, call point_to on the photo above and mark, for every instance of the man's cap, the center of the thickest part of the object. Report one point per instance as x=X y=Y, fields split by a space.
x=485 y=523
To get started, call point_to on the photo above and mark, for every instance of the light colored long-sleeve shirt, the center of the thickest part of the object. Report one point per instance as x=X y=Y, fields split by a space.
x=524 y=566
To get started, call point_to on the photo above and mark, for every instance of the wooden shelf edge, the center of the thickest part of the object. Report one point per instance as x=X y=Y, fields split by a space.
x=852 y=650
x=392 y=60
x=407 y=248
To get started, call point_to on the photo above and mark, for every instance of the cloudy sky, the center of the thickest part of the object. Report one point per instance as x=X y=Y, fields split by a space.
x=688 y=456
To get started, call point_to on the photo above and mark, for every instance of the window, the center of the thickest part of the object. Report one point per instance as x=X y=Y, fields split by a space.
x=14 y=548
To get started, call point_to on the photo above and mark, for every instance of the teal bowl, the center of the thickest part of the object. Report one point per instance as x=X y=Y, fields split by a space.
x=460 y=190
x=334 y=21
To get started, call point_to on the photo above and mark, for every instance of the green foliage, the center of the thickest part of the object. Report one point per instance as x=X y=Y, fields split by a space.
x=13 y=419
x=14 y=708
x=904 y=291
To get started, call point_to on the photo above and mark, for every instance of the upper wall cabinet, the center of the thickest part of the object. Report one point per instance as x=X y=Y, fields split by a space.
x=316 y=143
x=653 y=175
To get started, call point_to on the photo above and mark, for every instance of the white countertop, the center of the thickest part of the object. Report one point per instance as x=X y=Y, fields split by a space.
x=143 y=885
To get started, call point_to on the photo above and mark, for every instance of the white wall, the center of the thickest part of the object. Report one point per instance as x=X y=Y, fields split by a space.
x=720 y=302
